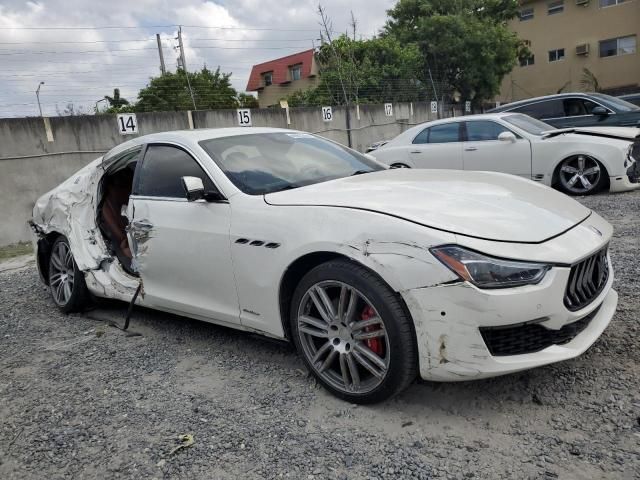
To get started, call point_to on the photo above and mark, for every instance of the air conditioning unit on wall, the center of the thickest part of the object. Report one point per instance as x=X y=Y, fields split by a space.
x=582 y=2
x=582 y=49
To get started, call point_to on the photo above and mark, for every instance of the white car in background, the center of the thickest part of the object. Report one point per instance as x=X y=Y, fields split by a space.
x=377 y=275
x=579 y=161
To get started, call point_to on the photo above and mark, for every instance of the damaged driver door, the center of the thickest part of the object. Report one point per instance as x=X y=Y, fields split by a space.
x=181 y=245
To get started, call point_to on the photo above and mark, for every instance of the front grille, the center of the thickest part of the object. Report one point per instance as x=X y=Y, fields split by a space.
x=530 y=337
x=586 y=280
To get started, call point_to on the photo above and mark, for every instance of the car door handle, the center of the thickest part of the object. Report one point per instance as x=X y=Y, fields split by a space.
x=415 y=151
x=142 y=225
x=470 y=149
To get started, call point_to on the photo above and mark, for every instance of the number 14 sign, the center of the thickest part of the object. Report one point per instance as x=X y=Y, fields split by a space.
x=127 y=123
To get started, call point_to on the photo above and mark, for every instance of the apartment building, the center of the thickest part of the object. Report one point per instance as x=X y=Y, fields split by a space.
x=279 y=78
x=567 y=36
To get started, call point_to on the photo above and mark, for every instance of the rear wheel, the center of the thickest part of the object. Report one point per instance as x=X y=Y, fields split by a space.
x=399 y=165
x=581 y=175
x=66 y=281
x=353 y=332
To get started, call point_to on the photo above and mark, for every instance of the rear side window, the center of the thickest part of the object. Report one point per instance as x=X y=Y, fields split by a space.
x=447 y=133
x=484 y=130
x=541 y=110
x=162 y=170
x=422 y=137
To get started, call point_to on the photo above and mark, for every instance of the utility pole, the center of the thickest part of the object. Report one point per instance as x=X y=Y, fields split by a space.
x=183 y=64
x=162 y=69
x=38 y=97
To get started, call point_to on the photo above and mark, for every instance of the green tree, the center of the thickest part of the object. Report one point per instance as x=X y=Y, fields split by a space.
x=170 y=91
x=365 y=71
x=245 y=100
x=116 y=101
x=464 y=44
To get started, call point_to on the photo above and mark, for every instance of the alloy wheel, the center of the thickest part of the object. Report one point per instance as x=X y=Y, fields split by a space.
x=343 y=337
x=580 y=174
x=61 y=273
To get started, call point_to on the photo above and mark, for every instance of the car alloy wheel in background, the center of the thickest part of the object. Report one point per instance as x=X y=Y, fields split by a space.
x=580 y=175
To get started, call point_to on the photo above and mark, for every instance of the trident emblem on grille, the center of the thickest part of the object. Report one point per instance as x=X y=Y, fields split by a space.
x=595 y=230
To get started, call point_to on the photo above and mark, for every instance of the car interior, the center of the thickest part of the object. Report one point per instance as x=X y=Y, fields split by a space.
x=116 y=189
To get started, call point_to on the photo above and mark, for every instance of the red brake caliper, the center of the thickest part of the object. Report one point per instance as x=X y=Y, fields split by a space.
x=374 y=344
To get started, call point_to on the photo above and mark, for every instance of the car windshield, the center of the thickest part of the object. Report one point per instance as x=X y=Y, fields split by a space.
x=617 y=104
x=271 y=162
x=528 y=124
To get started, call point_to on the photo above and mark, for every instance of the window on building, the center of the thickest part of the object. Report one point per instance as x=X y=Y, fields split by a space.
x=555 y=7
x=267 y=78
x=618 y=46
x=530 y=60
x=611 y=3
x=555 y=55
x=526 y=14
x=296 y=72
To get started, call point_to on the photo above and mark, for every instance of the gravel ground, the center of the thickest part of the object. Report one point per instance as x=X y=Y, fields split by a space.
x=79 y=399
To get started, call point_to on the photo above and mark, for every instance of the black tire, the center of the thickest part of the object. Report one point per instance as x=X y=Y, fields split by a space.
x=76 y=297
x=597 y=180
x=399 y=165
x=399 y=330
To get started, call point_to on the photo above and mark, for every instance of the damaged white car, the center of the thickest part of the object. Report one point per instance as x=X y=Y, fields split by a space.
x=578 y=161
x=377 y=275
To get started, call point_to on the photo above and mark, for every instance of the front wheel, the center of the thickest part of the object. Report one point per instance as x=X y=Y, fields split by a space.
x=66 y=281
x=353 y=333
x=581 y=175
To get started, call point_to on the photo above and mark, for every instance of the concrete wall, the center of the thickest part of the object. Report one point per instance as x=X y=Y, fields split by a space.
x=30 y=165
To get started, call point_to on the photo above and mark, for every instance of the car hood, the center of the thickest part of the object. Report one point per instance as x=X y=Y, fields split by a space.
x=485 y=205
x=621 y=133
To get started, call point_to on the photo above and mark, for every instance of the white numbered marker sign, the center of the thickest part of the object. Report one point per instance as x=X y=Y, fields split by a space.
x=127 y=123
x=467 y=106
x=388 y=109
x=327 y=114
x=244 y=117
x=434 y=107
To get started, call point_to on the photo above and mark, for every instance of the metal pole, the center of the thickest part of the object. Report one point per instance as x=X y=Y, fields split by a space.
x=38 y=97
x=163 y=70
x=184 y=66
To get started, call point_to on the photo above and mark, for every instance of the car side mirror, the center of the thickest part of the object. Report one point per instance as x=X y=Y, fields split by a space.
x=193 y=188
x=599 y=111
x=507 y=137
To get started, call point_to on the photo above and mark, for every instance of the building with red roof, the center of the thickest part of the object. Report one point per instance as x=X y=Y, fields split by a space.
x=279 y=78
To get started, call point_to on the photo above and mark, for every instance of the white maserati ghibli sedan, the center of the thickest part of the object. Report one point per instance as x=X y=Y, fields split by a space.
x=376 y=275
x=578 y=161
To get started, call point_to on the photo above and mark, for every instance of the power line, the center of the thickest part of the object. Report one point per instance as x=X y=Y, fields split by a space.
x=124 y=27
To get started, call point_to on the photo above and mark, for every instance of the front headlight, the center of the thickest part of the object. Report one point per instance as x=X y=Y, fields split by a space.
x=489 y=272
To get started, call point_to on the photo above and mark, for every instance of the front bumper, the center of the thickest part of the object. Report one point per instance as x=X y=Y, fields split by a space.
x=448 y=319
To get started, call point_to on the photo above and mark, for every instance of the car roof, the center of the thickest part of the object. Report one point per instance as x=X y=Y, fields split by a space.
x=192 y=136
x=509 y=106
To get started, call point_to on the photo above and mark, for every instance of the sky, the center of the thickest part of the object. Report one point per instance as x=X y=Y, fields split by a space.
x=64 y=43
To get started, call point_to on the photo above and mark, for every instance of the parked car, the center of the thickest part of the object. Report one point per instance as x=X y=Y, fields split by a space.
x=577 y=110
x=631 y=98
x=376 y=275
x=579 y=161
